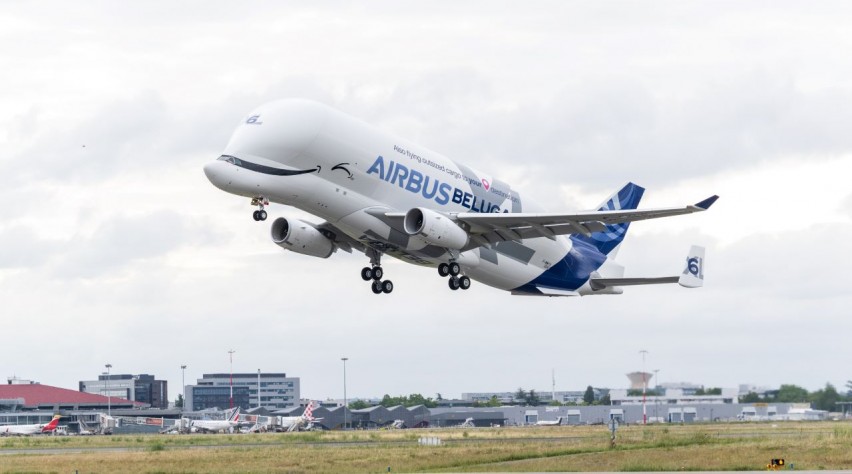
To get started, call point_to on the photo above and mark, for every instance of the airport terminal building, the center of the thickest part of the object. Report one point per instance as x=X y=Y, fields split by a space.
x=142 y=388
x=271 y=391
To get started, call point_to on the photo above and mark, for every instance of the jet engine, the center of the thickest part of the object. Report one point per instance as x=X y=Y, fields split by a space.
x=435 y=228
x=300 y=237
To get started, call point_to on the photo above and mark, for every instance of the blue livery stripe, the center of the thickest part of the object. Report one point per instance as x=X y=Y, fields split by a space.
x=627 y=197
x=587 y=254
x=570 y=273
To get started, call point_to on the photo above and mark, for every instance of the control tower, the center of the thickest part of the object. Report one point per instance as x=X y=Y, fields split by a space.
x=638 y=380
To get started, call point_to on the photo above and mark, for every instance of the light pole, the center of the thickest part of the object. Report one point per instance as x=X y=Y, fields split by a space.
x=644 y=388
x=109 y=396
x=656 y=396
x=258 y=388
x=183 y=386
x=345 y=401
x=231 y=400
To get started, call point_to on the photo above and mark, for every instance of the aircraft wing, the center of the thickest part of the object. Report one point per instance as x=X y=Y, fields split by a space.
x=492 y=228
x=340 y=239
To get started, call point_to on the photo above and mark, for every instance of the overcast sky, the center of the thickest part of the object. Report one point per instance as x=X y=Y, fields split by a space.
x=116 y=248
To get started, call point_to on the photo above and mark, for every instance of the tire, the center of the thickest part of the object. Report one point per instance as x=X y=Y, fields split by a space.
x=387 y=286
x=378 y=273
x=443 y=269
x=453 y=283
x=255 y=216
x=464 y=282
x=366 y=273
x=261 y=215
x=455 y=268
x=376 y=287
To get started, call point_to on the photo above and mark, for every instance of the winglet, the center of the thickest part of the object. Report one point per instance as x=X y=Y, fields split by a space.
x=705 y=204
x=693 y=273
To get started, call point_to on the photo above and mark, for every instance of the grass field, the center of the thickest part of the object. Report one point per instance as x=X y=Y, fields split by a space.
x=747 y=446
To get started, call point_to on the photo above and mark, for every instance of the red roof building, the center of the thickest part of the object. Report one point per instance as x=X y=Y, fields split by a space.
x=45 y=397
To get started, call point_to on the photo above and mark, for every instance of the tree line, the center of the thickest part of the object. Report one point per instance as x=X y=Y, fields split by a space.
x=825 y=398
x=405 y=400
x=822 y=399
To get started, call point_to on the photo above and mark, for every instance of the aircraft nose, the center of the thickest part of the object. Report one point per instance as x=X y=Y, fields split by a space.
x=215 y=174
x=210 y=172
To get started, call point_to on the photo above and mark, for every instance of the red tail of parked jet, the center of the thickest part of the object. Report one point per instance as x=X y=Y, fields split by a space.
x=51 y=427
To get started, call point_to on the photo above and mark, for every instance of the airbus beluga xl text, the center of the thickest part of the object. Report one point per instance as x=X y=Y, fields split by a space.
x=382 y=195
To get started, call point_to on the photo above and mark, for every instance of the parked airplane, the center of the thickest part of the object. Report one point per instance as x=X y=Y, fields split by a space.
x=230 y=422
x=293 y=423
x=26 y=430
x=380 y=194
x=555 y=422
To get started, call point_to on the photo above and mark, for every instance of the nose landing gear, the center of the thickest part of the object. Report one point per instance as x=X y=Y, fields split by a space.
x=259 y=214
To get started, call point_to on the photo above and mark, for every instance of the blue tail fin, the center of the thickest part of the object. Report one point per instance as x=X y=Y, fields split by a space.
x=606 y=241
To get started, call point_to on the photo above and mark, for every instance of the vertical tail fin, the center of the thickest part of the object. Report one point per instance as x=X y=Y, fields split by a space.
x=309 y=411
x=235 y=415
x=693 y=273
x=52 y=425
x=607 y=241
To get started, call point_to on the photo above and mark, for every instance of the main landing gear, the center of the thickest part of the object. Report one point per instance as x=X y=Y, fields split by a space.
x=452 y=270
x=260 y=214
x=375 y=273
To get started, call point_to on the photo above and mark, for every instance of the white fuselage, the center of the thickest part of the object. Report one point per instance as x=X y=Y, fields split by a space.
x=22 y=430
x=213 y=425
x=353 y=173
x=289 y=422
x=555 y=422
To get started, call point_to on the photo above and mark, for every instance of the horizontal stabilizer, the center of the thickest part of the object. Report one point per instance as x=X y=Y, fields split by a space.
x=601 y=283
x=692 y=276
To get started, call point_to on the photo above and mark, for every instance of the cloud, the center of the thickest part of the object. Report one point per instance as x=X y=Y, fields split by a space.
x=846 y=205
x=796 y=265
x=617 y=128
x=122 y=240
x=567 y=102
x=22 y=248
x=122 y=135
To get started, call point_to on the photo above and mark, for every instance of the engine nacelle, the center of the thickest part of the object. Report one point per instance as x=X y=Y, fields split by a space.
x=300 y=237
x=435 y=228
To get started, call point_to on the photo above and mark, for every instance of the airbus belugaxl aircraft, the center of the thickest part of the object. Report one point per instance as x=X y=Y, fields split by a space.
x=383 y=195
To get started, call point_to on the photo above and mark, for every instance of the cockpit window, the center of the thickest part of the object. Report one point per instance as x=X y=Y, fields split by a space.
x=230 y=159
x=264 y=169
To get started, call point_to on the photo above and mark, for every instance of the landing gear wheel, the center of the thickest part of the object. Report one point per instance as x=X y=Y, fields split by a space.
x=454 y=283
x=454 y=268
x=366 y=273
x=464 y=282
x=387 y=286
x=443 y=269
x=259 y=214
x=378 y=273
x=376 y=287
